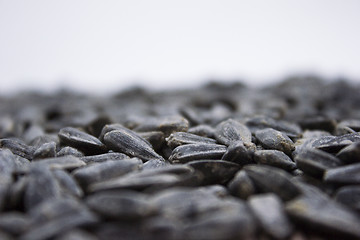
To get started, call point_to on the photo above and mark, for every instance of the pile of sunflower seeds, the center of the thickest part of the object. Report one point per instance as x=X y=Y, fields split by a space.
x=223 y=161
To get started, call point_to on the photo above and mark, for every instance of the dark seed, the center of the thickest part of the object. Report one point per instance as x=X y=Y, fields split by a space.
x=324 y=216
x=14 y=223
x=181 y=138
x=81 y=140
x=350 y=154
x=318 y=123
x=241 y=185
x=41 y=186
x=17 y=147
x=214 y=171
x=155 y=138
x=349 y=196
x=274 y=158
x=203 y=131
x=66 y=151
x=104 y=157
x=65 y=162
x=270 y=212
x=230 y=131
x=273 y=139
x=47 y=150
x=125 y=205
x=271 y=179
x=192 y=152
x=315 y=162
x=334 y=144
x=67 y=183
x=166 y=125
x=99 y=172
x=238 y=153
x=343 y=175
x=76 y=234
x=130 y=143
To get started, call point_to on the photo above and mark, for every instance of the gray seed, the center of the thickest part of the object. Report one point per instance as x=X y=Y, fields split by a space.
x=76 y=234
x=203 y=130
x=230 y=131
x=104 y=157
x=274 y=158
x=315 y=162
x=41 y=186
x=325 y=216
x=273 y=139
x=343 y=175
x=33 y=132
x=241 y=185
x=257 y=123
x=54 y=217
x=124 y=205
x=66 y=151
x=192 y=152
x=155 y=163
x=66 y=162
x=67 y=183
x=14 y=223
x=238 y=153
x=318 y=123
x=271 y=179
x=269 y=211
x=103 y=171
x=350 y=154
x=46 y=138
x=349 y=196
x=47 y=150
x=130 y=143
x=81 y=140
x=155 y=138
x=334 y=144
x=17 y=147
x=214 y=171
x=166 y=125
x=181 y=138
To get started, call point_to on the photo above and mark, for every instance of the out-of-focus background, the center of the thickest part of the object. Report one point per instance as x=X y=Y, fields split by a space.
x=102 y=46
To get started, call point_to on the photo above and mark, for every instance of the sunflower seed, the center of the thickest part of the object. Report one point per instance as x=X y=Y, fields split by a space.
x=273 y=139
x=270 y=212
x=343 y=175
x=47 y=150
x=230 y=131
x=130 y=143
x=192 y=152
x=271 y=179
x=274 y=158
x=350 y=154
x=181 y=138
x=166 y=125
x=241 y=185
x=66 y=151
x=65 y=162
x=80 y=140
x=17 y=147
x=315 y=162
x=349 y=196
x=239 y=154
x=104 y=157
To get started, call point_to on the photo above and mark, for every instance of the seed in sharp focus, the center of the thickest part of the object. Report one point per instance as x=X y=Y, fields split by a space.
x=270 y=212
x=238 y=153
x=230 y=131
x=81 y=140
x=180 y=138
x=272 y=139
x=271 y=179
x=192 y=152
x=334 y=144
x=274 y=158
x=131 y=144
x=315 y=162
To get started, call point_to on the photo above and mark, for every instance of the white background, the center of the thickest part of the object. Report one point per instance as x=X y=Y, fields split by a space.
x=101 y=46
